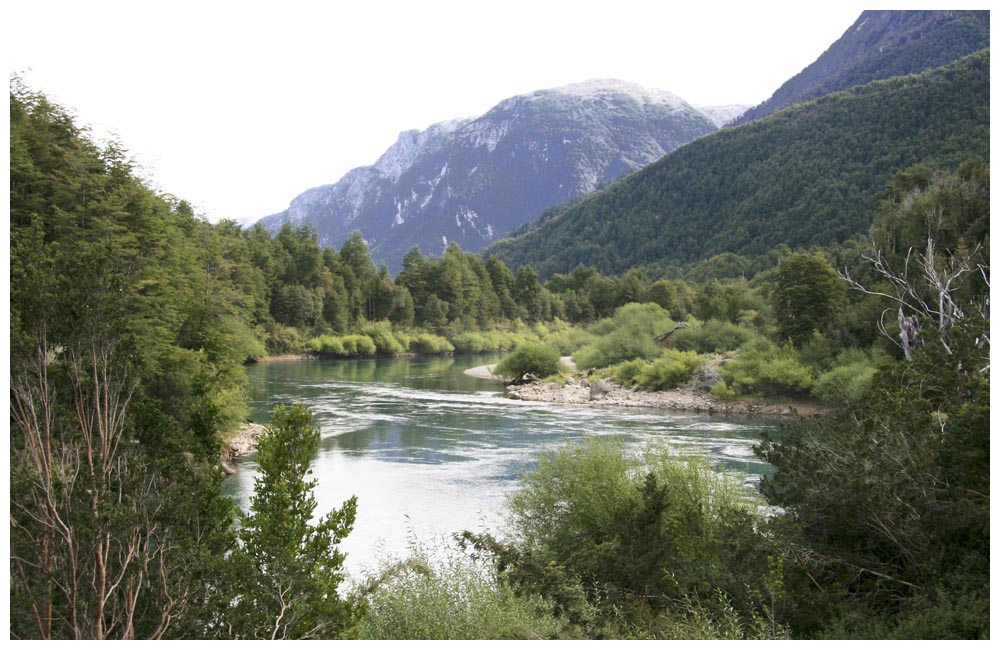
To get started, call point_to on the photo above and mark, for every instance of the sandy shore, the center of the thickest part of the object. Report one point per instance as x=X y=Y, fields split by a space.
x=486 y=372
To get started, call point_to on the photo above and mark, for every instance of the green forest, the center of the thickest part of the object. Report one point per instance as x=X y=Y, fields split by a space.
x=132 y=318
x=807 y=176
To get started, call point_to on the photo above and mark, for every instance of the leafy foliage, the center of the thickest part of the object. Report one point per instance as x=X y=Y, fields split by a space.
x=671 y=369
x=764 y=368
x=808 y=296
x=288 y=567
x=535 y=358
x=629 y=334
x=887 y=507
x=439 y=592
x=633 y=546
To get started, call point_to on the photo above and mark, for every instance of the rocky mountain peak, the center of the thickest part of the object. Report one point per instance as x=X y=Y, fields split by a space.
x=472 y=180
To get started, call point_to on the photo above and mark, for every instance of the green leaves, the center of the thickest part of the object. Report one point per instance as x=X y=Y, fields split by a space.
x=288 y=568
x=808 y=296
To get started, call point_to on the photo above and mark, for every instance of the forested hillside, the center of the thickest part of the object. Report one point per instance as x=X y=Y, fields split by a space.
x=808 y=176
x=879 y=45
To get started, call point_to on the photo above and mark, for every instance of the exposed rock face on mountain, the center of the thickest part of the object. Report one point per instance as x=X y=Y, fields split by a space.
x=723 y=115
x=472 y=180
x=879 y=45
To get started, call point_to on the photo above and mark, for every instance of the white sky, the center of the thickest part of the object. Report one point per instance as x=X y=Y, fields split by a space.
x=240 y=106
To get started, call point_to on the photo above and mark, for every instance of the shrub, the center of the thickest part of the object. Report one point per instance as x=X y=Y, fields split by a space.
x=283 y=339
x=672 y=369
x=569 y=340
x=442 y=593
x=382 y=336
x=332 y=345
x=642 y=531
x=626 y=335
x=627 y=372
x=428 y=343
x=491 y=340
x=536 y=358
x=358 y=345
x=762 y=368
x=711 y=336
x=850 y=377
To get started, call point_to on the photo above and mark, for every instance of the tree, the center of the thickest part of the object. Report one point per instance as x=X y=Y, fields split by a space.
x=96 y=548
x=930 y=254
x=808 y=296
x=289 y=569
x=886 y=507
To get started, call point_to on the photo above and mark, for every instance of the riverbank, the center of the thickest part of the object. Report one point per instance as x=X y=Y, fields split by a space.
x=574 y=392
x=242 y=443
x=278 y=358
x=605 y=393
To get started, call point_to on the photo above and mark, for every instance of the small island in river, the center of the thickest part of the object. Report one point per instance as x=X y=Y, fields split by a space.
x=601 y=392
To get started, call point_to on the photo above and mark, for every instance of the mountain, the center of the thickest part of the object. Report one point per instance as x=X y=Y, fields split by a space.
x=880 y=45
x=809 y=175
x=470 y=181
x=723 y=115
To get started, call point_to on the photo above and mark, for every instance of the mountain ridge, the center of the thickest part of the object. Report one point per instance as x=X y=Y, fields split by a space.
x=806 y=176
x=470 y=180
x=881 y=44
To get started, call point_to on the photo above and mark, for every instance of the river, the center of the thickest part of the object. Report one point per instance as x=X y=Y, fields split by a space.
x=429 y=450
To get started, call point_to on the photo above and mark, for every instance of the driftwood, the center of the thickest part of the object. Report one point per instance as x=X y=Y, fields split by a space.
x=526 y=378
x=662 y=339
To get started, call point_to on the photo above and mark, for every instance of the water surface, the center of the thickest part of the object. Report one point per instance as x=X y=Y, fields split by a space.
x=429 y=450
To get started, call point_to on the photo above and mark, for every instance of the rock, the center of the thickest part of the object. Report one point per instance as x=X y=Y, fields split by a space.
x=705 y=378
x=600 y=388
x=242 y=443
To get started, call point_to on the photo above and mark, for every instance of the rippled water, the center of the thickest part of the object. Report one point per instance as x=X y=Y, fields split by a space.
x=429 y=451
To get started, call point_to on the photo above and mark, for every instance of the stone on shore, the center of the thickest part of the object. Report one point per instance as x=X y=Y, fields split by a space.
x=240 y=444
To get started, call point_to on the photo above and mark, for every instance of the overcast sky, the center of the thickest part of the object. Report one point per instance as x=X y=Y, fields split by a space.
x=240 y=106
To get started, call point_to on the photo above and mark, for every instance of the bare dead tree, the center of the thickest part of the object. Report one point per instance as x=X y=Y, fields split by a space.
x=926 y=290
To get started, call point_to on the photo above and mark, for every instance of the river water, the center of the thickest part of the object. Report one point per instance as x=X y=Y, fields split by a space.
x=429 y=451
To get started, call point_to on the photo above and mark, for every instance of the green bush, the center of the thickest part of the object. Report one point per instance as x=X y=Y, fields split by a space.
x=331 y=345
x=626 y=373
x=383 y=337
x=644 y=533
x=427 y=343
x=442 y=593
x=491 y=340
x=762 y=368
x=569 y=340
x=711 y=336
x=850 y=377
x=672 y=369
x=283 y=339
x=626 y=335
x=351 y=345
x=359 y=345
x=536 y=358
